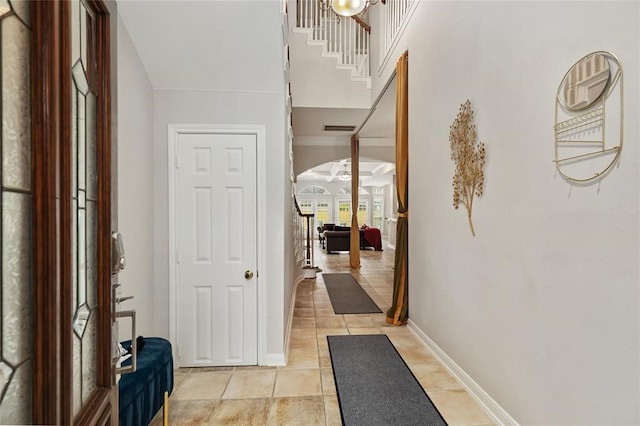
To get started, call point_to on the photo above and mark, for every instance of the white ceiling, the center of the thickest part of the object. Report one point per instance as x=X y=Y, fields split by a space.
x=378 y=129
x=201 y=45
x=310 y=121
x=204 y=45
x=371 y=173
x=381 y=123
x=375 y=128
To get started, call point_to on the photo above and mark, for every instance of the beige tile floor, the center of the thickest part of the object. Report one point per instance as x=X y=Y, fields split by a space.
x=303 y=392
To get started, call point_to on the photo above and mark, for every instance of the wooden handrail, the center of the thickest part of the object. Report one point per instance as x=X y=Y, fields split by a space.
x=308 y=257
x=362 y=24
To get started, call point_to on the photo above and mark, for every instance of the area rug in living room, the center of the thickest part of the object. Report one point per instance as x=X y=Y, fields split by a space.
x=375 y=385
x=347 y=296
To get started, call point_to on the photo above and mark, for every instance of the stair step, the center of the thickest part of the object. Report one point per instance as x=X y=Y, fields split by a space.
x=336 y=55
x=301 y=30
x=316 y=42
x=364 y=79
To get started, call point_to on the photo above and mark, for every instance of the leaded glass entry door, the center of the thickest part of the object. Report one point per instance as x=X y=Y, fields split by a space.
x=92 y=381
x=56 y=358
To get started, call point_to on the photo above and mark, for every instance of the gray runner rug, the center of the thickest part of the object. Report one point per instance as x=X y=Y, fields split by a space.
x=347 y=297
x=375 y=386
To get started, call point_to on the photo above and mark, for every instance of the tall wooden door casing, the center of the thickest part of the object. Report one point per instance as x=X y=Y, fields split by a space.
x=71 y=124
x=216 y=236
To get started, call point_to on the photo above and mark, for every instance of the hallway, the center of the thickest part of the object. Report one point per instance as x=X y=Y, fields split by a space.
x=303 y=392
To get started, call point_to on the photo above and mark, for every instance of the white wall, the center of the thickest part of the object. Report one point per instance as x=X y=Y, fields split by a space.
x=216 y=107
x=293 y=271
x=237 y=80
x=541 y=307
x=208 y=45
x=135 y=184
x=315 y=80
x=309 y=156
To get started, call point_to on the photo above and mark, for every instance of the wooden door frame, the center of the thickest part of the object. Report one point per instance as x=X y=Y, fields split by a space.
x=49 y=380
x=174 y=130
x=52 y=392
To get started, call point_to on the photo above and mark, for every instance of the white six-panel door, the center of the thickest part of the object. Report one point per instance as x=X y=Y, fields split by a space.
x=215 y=236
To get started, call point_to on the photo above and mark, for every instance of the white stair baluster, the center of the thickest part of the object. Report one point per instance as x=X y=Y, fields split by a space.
x=352 y=27
x=341 y=37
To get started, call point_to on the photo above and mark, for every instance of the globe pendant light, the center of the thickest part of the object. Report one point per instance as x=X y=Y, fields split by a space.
x=348 y=7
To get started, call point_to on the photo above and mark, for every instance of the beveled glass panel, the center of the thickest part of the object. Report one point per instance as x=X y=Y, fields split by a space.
x=80 y=78
x=16 y=402
x=16 y=122
x=85 y=192
x=75 y=30
x=80 y=320
x=74 y=141
x=21 y=8
x=89 y=360
x=16 y=216
x=91 y=161
x=4 y=7
x=16 y=277
x=5 y=375
x=74 y=250
x=82 y=256
x=77 y=374
x=81 y=141
x=83 y=34
x=92 y=254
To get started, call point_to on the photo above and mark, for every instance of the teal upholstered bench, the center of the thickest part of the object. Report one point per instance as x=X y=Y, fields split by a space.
x=141 y=394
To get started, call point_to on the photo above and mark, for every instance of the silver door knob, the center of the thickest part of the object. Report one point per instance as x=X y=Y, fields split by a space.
x=248 y=274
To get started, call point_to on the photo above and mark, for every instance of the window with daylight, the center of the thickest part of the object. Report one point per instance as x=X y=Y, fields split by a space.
x=378 y=212
x=306 y=207
x=363 y=211
x=344 y=212
x=347 y=191
x=333 y=204
x=319 y=208
x=322 y=212
x=314 y=190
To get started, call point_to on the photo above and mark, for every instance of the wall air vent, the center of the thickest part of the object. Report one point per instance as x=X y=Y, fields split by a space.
x=338 y=128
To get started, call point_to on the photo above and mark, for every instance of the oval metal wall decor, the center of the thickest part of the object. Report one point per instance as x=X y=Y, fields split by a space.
x=585 y=148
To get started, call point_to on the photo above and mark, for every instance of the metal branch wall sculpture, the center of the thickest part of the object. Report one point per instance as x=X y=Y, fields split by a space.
x=469 y=156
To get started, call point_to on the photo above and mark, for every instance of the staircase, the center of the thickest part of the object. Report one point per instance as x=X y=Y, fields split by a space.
x=342 y=38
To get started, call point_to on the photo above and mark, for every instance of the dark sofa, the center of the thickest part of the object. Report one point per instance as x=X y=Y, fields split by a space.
x=338 y=238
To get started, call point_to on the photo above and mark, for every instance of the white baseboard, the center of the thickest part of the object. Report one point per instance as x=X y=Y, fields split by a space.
x=492 y=408
x=275 y=360
x=287 y=332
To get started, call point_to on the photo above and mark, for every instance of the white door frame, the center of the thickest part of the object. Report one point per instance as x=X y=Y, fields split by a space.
x=175 y=130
